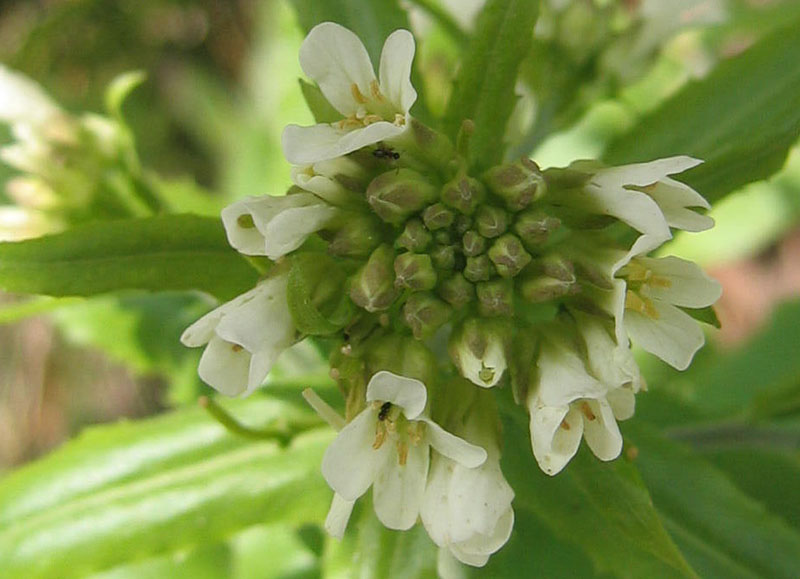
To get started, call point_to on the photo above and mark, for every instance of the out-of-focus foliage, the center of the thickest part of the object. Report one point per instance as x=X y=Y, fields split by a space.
x=709 y=482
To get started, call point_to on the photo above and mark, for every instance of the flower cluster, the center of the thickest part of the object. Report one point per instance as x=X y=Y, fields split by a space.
x=439 y=286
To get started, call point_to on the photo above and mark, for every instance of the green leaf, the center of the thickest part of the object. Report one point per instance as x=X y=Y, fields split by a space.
x=371 y=20
x=207 y=562
x=741 y=119
x=723 y=532
x=603 y=508
x=319 y=106
x=315 y=297
x=139 y=490
x=171 y=252
x=484 y=88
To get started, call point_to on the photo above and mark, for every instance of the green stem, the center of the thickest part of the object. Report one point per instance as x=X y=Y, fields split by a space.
x=443 y=18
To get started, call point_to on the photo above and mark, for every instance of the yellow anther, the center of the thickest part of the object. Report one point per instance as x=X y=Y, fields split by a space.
x=371 y=118
x=380 y=436
x=237 y=348
x=659 y=281
x=587 y=411
x=357 y=95
x=644 y=306
x=375 y=90
x=402 y=453
x=565 y=425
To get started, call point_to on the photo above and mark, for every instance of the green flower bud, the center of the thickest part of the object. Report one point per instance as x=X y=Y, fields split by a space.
x=399 y=193
x=491 y=221
x=372 y=287
x=463 y=194
x=473 y=243
x=496 y=297
x=519 y=183
x=508 y=255
x=415 y=236
x=414 y=271
x=457 y=291
x=402 y=355
x=424 y=313
x=443 y=237
x=478 y=268
x=462 y=224
x=534 y=227
x=356 y=237
x=437 y=216
x=444 y=257
x=432 y=145
x=549 y=278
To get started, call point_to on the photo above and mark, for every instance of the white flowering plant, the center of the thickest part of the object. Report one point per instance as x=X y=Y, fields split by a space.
x=423 y=356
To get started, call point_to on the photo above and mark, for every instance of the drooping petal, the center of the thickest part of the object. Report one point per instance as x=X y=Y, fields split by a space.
x=407 y=393
x=289 y=229
x=350 y=463
x=225 y=367
x=395 y=70
x=643 y=174
x=600 y=430
x=200 y=332
x=555 y=435
x=622 y=402
x=453 y=447
x=676 y=201
x=305 y=145
x=335 y=59
x=674 y=336
x=481 y=497
x=601 y=351
x=338 y=516
x=399 y=489
x=476 y=550
x=563 y=376
x=683 y=283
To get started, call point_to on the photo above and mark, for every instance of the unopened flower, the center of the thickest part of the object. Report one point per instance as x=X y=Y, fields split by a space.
x=478 y=349
x=387 y=446
x=243 y=338
x=275 y=226
x=373 y=109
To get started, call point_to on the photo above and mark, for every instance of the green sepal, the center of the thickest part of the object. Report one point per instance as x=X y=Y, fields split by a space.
x=316 y=302
x=707 y=315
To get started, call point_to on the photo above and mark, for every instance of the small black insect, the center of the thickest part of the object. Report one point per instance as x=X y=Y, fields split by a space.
x=384 y=411
x=384 y=152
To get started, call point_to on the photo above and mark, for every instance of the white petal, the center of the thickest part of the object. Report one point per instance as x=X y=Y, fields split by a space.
x=338 y=516
x=602 y=433
x=622 y=402
x=225 y=367
x=291 y=227
x=689 y=286
x=475 y=369
x=633 y=207
x=246 y=240
x=407 y=393
x=350 y=464
x=260 y=364
x=24 y=101
x=481 y=497
x=642 y=174
x=601 y=351
x=399 y=489
x=335 y=59
x=563 y=376
x=453 y=447
x=395 y=70
x=675 y=199
x=553 y=445
x=674 y=336
x=200 y=332
x=305 y=145
x=476 y=550
x=448 y=567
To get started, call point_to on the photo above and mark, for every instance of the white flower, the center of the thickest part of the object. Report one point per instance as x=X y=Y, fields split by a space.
x=333 y=180
x=23 y=102
x=654 y=288
x=578 y=397
x=245 y=336
x=387 y=446
x=275 y=226
x=468 y=510
x=477 y=349
x=374 y=110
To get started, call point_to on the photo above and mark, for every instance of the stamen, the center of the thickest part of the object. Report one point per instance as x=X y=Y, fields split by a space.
x=587 y=411
x=380 y=436
x=375 y=90
x=236 y=348
x=565 y=425
x=402 y=453
x=659 y=281
x=357 y=95
x=372 y=118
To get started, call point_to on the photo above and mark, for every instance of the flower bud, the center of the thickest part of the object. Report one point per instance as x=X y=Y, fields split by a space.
x=473 y=243
x=463 y=194
x=401 y=355
x=414 y=271
x=443 y=237
x=462 y=224
x=437 y=216
x=444 y=257
x=478 y=268
x=491 y=221
x=399 y=193
x=457 y=291
x=477 y=348
x=358 y=235
x=508 y=255
x=495 y=297
x=372 y=286
x=415 y=236
x=549 y=278
x=432 y=145
x=519 y=183
x=425 y=313
x=534 y=227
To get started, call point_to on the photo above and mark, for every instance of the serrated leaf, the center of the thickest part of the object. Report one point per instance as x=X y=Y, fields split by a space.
x=484 y=88
x=723 y=532
x=133 y=491
x=602 y=508
x=171 y=252
x=741 y=119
